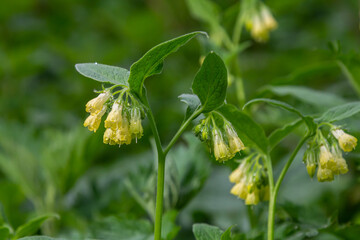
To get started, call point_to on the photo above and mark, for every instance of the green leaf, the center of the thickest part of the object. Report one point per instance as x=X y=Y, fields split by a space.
x=4 y=232
x=33 y=225
x=122 y=228
x=249 y=131
x=280 y=133
x=206 y=232
x=204 y=10
x=355 y=82
x=151 y=62
x=308 y=120
x=227 y=234
x=40 y=238
x=340 y=112
x=169 y=229
x=104 y=73
x=192 y=101
x=210 y=82
x=307 y=95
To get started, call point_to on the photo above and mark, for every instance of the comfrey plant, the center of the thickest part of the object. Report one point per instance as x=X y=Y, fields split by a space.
x=227 y=131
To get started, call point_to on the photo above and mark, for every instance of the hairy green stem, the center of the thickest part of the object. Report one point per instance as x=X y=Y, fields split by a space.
x=161 y=155
x=271 y=215
x=160 y=173
x=275 y=190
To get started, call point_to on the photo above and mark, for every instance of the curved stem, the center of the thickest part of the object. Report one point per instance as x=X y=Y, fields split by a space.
x=181 y=130
x=274 y=190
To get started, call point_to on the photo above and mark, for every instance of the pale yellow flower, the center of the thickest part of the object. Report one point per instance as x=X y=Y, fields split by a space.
x=346 y=141
x=327 y=159
x=268 y=19
x=324 y=174
x=253 y=197
x=93 y=121
x=95 y=105
x=235 y=144
x=114 y=118
x=135 y=123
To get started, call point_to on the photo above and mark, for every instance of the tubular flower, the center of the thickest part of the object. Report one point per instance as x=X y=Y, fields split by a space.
x=95 y=105
x=238 y=173
x=123 y=134
x=324 y=174
x=135 y=123
x=268 y=20
x=250 y=182
x=327 y=159
x=260 y=22
x=109 y=136
x=235 y=144
x=346 y=141
x=221 y=150
x=114 y=118
x=93 y=121
x=252 y=198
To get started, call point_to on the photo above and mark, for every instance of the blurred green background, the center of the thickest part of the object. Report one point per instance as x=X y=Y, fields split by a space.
x=50 y=163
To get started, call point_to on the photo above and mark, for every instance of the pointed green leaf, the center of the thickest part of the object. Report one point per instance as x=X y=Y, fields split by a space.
x=249 y=131
x=151 y=62
x=340 y=112
x=206 y=232
x=33 y=225
x=104 y=73
x=227 y=234
x=210 y=82
x=308 y=95
x=308 y=120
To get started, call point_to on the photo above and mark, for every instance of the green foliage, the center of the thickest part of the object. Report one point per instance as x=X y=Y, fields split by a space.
x=248 y=130
x=192 y=101
x=104 y=73
x=151 y=62
x=307 y=95
x=277 y=135
x=204 y=10
x=340 y=112
x=206 y=232
x=32 y=226
x=47 y=165
x=210 y=83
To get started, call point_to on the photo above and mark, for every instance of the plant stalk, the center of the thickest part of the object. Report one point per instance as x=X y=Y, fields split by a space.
x=275 y=190
x=161 y=155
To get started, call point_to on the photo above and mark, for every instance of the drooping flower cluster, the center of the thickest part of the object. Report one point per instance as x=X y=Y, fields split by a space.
x=260 y=22
x=223 y=140
x=325 y=153
x=250 y=180
x=123 y=122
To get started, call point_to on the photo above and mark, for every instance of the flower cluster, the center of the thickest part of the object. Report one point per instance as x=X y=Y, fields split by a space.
x=223 y=140
x=260 y=22
x=123 y=122
x=250 y=180
x=325 y=153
